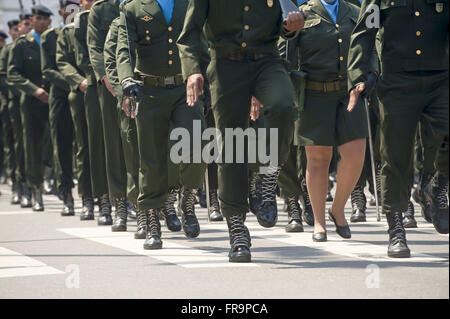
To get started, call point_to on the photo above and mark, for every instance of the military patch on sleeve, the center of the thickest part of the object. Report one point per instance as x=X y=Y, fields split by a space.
x=146 y=18
x=439 y=7
x=270 y=3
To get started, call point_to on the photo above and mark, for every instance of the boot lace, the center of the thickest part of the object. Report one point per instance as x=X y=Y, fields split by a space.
x=239 y=234
x=358 y=198
x=214 y=200
x=188 y=202
x=269 y=183
x=154 y=225
x=293 y=208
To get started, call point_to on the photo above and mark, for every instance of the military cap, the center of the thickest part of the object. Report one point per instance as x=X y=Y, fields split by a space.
x=12 y=23
x=41 y=10
x=3 y=34
x=24 y=16
x=65 y=3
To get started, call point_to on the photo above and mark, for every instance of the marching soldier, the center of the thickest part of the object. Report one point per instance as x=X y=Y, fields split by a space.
x=61 y=125
x=94 y=121
x=413 y=86
x=150 y=29
x=24 y=72
x=20 y=191
x=66 y=62
x=5 y=125
x=245 y=62
x=102 y=13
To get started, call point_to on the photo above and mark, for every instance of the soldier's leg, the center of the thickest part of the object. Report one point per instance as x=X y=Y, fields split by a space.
x=273 y=88
x=17 y=128
x=308 y=214
x=96 y=150
x=78 y=111
x=8 y=142
x=192 y=174
x=62 y=135
x=115 y=163
x=35 y=124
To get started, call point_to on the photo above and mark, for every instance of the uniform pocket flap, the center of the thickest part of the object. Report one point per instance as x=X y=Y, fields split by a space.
x=311 y=22
x=386 y=4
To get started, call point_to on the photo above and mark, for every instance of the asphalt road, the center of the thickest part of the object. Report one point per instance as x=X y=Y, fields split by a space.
x=44 y=255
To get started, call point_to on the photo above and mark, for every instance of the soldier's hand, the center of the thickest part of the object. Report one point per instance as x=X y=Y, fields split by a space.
x=126 y=107
x=83 y=86
x=105 y=81
x=254 y=109
x=194 y=88
x=295 y=21
x=354 y=95
x=41 y=95
x=131 y=89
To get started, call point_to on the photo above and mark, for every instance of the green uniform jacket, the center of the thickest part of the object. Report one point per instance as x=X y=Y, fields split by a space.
x=321 y=49
x=102 y=13
x=153 y=39
x=81 y=48
x=110 y=57
x=3 y=73
x=413 y=37
x=66 y=58
x=24 y=65
x=48 y=59
x=230 y=27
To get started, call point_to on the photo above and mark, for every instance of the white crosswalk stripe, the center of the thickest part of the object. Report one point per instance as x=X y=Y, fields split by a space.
x=181 y=255
x=14 y=264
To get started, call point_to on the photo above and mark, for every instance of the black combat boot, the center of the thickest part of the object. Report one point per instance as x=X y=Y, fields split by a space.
x=16 y=193
x=254 y=192
x=49 y=184
x=104 y=218
x=153 y=239
x=295 y=224
x=141 y=232
x=408 y=217
x=267 y=214
x=436 y=193
x=308 y=215
x=330 y=187
x=201 y=193
x=214 y=211
x=358 y=199
x=191 y=227
x=170 y=213
x=69 y=206
x=372 y=201
x=36 y=199
x=25 y=201
x=120 y=222
x=398 y=247
x=419 y=196
x=239 y=239
x=87 y=211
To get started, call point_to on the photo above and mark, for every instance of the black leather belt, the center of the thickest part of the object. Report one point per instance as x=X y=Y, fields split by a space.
x=326 y=86
x=245 y=56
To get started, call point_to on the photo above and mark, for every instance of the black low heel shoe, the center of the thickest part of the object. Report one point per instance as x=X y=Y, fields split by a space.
x=343 y=231
x=319 y=237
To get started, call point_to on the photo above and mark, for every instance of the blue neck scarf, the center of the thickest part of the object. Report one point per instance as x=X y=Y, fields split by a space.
x=167 y=8
x=332 y=8
x=36 y=36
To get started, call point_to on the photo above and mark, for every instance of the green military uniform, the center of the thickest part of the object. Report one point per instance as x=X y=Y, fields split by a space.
x=15 y=118
x=24 y=72
x=157 y=59
x=412 y=86
x=102 y=13
x=66 y=61
x=61 y=125
x=244 y=63
x=92 y=109
x=127 y=124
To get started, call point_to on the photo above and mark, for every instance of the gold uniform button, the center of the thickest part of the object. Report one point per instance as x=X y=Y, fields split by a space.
x=340 y=40
x=247 y=8
x=337 y=25
x=170 y=62
x=418 y=33
x=147 y=38
x=43 y=76
x=392 y=3
x=244 y=45
x=247 y=27
x=170 y=40
x=417 y=13
x=418 y=52
x=43 y=86
x=170 y=28
x=341 y=58
x=170 y=52
x=147 y=31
